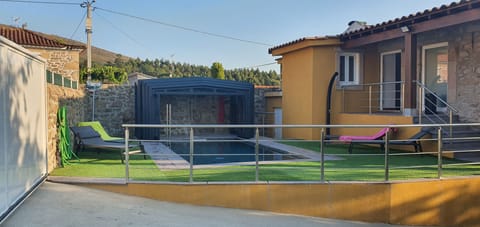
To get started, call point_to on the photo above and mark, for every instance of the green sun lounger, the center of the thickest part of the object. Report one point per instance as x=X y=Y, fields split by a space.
x=86 y=136
x=97 y=126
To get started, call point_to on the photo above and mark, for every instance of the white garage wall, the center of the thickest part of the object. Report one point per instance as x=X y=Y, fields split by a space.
x=23 y=128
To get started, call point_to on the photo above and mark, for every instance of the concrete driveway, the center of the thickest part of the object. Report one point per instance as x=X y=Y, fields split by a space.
x=55 y=204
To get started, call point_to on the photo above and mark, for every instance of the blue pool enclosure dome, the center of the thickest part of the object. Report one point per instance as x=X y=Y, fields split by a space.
x=193 y=100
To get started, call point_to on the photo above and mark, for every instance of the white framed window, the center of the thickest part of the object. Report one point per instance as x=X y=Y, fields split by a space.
x=349 y=68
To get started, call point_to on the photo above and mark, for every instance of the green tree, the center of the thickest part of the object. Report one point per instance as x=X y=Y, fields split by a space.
x=161 y=68
x=105 y=74
x=217 y=71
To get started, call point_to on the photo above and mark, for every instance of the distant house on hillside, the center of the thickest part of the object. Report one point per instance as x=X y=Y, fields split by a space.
x=62 y=58
x=133 y=78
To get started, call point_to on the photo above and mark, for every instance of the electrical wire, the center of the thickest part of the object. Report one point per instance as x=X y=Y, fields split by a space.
x=258 y=66
x=78 y=26
x=143 y=19
x=183 y=28
x=120 y=30
x=42 y=2
x=124 y=33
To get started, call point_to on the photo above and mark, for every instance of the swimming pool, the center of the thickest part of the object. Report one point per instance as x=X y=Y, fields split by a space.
x=206 y=152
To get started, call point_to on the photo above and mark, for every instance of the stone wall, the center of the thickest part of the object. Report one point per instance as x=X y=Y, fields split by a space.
x=261 y=103
x=74 y=100
x=468 y=75
x=64 y=62
x=463 y=66
x=114 y=106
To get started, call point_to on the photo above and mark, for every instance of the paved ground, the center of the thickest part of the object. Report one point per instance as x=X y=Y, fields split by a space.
x=55 y=204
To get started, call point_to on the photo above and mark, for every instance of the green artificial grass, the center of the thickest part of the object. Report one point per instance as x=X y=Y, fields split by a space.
x=369 y=166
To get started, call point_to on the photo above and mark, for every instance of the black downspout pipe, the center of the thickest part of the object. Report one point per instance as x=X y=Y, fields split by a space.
x=329 y=101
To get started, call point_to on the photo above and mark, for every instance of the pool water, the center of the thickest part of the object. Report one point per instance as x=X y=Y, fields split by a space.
x=227 y=152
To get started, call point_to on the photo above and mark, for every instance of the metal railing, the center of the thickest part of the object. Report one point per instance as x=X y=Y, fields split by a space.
x=374 y=97
x=264 y=118
x=319 y=169
x=428 y=104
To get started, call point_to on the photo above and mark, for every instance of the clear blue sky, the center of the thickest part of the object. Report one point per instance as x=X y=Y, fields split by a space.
x=271 y=22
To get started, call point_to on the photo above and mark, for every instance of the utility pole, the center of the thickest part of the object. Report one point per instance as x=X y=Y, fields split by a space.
x=88 y=30
x=90 y=86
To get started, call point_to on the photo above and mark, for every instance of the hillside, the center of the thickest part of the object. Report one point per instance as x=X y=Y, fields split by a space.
x=99 y=56
x=163 y=68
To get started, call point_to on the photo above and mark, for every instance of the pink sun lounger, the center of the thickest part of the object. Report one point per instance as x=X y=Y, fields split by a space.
x=377 y=138
x=379 y=135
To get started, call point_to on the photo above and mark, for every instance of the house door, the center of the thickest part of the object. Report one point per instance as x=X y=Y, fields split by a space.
x=435 y=77
x=390 y=95
x=278 y=121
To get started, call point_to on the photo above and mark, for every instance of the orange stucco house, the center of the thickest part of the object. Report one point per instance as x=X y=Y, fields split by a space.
x=419 y=68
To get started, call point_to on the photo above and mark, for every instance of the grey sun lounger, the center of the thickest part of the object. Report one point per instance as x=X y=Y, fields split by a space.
x=86 y=136
x=415 y=139
x=412 y=141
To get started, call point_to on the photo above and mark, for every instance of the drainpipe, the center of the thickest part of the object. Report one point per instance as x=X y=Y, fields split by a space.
x=329 y=101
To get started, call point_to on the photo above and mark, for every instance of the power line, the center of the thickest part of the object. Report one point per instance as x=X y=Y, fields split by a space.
x=42 y=2
x=78 y=26
x=120 y=30
x=258 y=66
x=184 y=28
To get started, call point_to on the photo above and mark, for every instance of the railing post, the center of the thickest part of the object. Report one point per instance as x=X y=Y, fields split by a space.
x=386 y=154
x=191 y=156
x=439 y=151
x=127 y=156
x=257 y=135
x=451 y=122
x=263 y=123
x=370 y=99
x=402 y=97
x=322 y=157
x=420 y=104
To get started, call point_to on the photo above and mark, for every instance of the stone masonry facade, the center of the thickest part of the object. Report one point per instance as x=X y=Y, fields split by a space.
x=468 y=74
x=261 y=104
x=74 y=100
x=66 y=63
x=463 y=66
x=114 y=106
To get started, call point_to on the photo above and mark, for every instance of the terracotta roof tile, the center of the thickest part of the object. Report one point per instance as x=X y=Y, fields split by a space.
x=453 y=7
x=26 y=37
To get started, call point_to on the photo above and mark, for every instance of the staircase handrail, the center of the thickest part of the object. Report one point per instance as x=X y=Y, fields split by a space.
x=437 y=97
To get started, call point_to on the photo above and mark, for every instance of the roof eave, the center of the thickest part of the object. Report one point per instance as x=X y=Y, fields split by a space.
x=304 y=43
x=412 y=19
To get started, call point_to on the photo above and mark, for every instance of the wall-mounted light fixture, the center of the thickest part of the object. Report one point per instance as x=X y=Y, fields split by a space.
x=405 y=29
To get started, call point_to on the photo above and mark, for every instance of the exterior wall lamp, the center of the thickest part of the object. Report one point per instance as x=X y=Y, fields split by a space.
x=405 y=29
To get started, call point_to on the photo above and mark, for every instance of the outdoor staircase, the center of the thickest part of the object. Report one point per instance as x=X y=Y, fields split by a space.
x=462 y=138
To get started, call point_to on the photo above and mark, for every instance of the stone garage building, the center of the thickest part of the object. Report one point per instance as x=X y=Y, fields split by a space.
x=194 y=100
